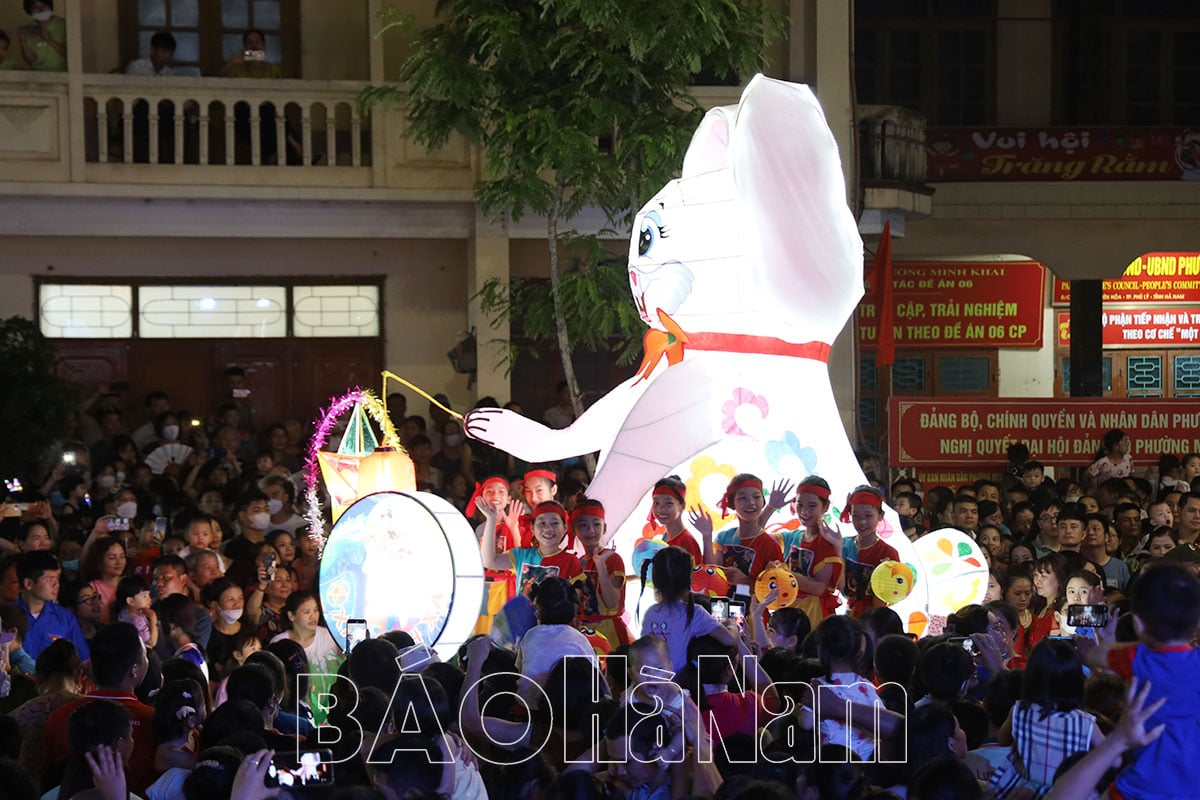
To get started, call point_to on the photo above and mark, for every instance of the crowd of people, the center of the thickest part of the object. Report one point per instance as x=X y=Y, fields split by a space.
x=161 y=634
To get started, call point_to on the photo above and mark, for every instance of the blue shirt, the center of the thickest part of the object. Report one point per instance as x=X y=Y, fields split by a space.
x=1165 y=768
x=21 y=662
x=54 y=622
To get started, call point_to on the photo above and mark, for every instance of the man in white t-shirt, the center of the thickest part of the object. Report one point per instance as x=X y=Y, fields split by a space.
x=158 y=64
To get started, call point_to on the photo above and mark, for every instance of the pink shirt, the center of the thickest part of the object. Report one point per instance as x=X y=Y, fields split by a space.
x=108 y=596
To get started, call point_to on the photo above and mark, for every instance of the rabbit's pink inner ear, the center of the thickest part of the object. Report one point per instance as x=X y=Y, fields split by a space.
x=788 y=173
x=709 y=149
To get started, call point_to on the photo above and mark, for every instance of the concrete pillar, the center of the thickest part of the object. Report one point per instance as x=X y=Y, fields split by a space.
x=487 y=259
x=1087 y=339
x=1024 y=53
x=374 y=42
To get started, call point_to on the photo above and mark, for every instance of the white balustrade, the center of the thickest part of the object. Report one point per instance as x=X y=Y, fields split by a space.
x=223 y=121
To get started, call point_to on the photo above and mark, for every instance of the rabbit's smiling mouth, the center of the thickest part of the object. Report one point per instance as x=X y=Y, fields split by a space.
x=640 y=302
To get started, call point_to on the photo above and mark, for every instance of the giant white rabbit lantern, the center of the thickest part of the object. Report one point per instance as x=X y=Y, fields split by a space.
x=745 y=268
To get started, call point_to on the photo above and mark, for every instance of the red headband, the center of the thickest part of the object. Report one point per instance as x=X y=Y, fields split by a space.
x=588 y=508
x=664 y=491
x=669 y=491
x=812 y=488
x=540 y=473
x=479 y=487
x=863 y=498
x=866 y=499
x=732 y=491
x=551 y=507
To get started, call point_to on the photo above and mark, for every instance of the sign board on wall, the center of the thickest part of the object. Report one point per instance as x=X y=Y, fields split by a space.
x=1062 y=154
x=940 y=433
x=1152 y=278
x=961 y=304
x=952 y=477
x=1140 y=327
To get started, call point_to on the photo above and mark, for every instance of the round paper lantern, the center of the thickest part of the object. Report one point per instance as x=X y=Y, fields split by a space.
x=955 y=569
x=892 y=581
x=643 y=553
x=709 y=579
x=777 y=576
x=403 y=561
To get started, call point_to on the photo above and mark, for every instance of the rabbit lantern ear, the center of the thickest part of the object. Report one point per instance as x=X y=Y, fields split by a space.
x=709 y=148
x=788 y=174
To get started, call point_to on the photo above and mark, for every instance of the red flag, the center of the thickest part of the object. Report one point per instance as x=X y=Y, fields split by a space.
x=881 y=277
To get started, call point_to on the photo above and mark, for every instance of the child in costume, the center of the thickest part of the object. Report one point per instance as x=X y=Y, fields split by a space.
x=604 y=575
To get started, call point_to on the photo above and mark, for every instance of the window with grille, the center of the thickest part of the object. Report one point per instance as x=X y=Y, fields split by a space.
x=1126 y=62
x=933 y=56
x=208 y=33
x=251 y=310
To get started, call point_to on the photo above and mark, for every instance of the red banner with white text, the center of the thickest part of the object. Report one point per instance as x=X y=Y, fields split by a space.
x=941 y=433
x=960 y=304
x=1101 y=153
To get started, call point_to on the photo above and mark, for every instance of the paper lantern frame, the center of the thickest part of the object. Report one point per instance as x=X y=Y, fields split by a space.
x=338 y=406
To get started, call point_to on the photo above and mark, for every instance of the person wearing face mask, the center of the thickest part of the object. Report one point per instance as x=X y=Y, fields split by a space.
x=106 y=480
x=253 y=518
x=281 y=503
x=157 y=404
x=167 y=430
x=225 y=603
x=44 y=43
x=455 y=456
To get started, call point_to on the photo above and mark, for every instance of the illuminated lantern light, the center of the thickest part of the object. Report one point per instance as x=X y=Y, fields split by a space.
x=709 y=579
x=892 y=581
x=643 y=554
x=953 y=569
x=403 y=561
x=776 y=576
x=386 y=470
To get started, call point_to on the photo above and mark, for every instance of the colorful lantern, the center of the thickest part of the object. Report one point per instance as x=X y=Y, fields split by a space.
x=709 y=579
x=774 y=577
x=892 y=581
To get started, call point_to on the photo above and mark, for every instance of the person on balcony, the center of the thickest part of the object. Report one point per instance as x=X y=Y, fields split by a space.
x=252 y=61
x=44 y=44
x=8 y=61
x=158 y=63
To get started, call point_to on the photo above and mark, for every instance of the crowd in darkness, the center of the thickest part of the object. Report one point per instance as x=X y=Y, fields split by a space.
x=163 y=634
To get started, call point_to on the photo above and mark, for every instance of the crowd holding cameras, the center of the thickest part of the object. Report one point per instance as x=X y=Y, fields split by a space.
x=162 y=634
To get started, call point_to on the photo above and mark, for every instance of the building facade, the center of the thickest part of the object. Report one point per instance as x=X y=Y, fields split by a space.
x=165 y=229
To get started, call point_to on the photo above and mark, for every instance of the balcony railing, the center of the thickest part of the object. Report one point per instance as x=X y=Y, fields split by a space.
x=118 y=129
x=178 y=133
x=213 y=121
x=892 y=144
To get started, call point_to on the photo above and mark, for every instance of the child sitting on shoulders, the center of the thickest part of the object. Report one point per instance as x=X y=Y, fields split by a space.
x=1166 y=615
x=132 y=605
x=675 y=617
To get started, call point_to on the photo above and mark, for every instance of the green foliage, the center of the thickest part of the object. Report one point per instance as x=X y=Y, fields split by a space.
x=34 y=403
x=594 y=298
x=573 y=103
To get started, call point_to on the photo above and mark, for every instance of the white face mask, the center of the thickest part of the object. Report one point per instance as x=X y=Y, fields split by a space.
x=106 y=481
x=230 y=615
x=120 y=476
x=260 y=521
x=170 y=432
x=453 y=439
x=127 y=510
x=274 y=506
x=43 y=16
x=1073 y=498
